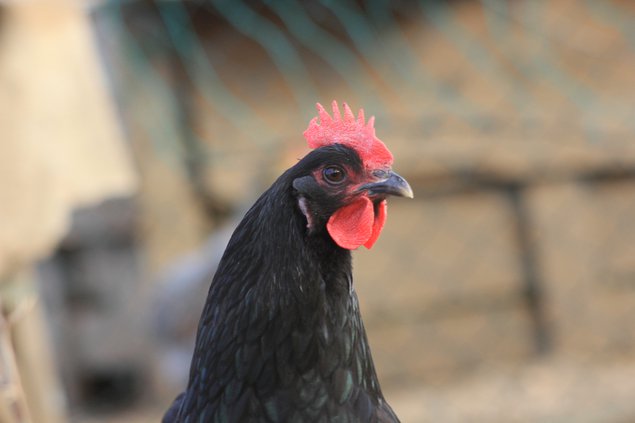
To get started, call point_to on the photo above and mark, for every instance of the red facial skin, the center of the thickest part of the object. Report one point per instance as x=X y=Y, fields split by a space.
x=361 y=220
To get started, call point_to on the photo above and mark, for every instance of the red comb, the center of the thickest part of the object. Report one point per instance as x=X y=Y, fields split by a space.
x=350 y=131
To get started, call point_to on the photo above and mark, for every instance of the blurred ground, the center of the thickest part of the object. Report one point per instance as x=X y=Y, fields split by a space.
x=553 y=391
x=545 y=392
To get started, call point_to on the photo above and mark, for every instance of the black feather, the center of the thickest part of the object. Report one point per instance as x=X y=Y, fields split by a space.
x=281 y=337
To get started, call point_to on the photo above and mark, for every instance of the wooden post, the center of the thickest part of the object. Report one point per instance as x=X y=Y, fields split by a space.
x=13 y=408
x=34 y=393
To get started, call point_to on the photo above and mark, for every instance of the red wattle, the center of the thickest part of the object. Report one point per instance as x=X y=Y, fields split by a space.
x=356 y=224
x=378 y=224
x=352 y=225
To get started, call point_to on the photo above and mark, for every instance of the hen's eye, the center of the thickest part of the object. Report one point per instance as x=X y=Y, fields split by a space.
x=334 y=174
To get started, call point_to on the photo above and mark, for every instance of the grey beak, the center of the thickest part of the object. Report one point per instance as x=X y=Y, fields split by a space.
x=393 y=185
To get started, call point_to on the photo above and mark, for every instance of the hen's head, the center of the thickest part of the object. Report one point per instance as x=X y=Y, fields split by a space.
x=348 y=178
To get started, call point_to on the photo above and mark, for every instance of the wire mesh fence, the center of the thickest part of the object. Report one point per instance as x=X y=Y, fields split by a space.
x=510 y=278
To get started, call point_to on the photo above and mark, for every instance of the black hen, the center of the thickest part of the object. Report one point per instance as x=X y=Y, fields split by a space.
x=281 y=337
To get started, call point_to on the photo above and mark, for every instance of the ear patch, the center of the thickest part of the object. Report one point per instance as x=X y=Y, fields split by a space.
x=306 y=212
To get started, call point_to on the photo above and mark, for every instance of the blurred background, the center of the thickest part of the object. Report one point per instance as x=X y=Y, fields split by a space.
x=135 y=134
